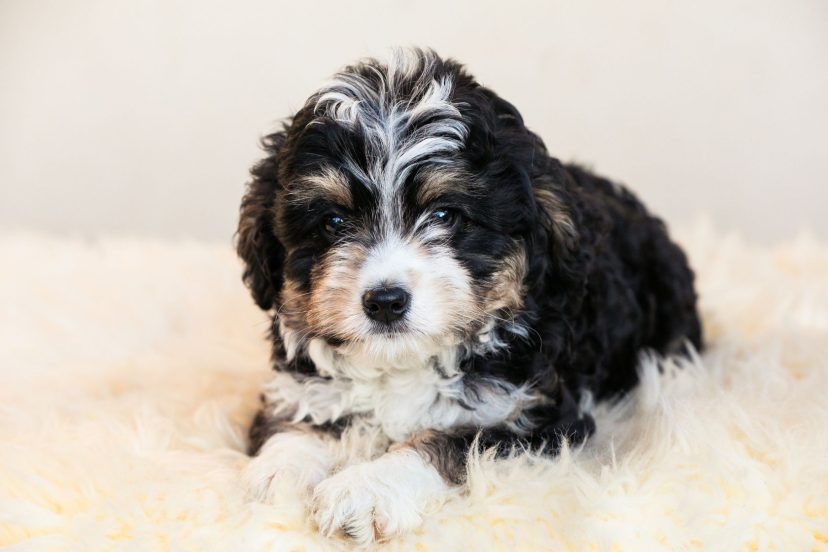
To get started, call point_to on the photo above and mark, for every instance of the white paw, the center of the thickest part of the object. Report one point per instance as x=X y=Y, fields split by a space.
x=296 y=461
x=378 y=499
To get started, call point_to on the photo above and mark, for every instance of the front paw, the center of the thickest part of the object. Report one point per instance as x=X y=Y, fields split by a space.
x=378 y=499
x=287 y=462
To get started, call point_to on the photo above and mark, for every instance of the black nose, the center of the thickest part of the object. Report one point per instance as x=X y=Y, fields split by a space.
x=385 y=304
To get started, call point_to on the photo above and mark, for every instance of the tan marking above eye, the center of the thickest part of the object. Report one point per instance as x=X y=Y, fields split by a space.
x=438 y=182
x=329 y=184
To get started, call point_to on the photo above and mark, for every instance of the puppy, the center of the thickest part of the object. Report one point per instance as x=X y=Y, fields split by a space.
x=437 y=281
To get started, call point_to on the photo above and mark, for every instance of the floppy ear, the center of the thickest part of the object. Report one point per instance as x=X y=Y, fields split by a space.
x=552 y=234
x=256 y=243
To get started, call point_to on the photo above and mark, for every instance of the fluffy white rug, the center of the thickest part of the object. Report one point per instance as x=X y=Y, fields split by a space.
x=130 y=369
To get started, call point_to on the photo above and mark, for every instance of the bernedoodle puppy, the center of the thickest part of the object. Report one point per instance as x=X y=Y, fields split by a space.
x=437 y=281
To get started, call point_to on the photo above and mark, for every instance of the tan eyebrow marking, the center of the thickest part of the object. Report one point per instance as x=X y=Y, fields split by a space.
x=329 y=183
x=438 y=182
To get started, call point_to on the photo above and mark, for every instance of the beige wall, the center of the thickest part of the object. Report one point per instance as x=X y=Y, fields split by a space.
x=142 y=117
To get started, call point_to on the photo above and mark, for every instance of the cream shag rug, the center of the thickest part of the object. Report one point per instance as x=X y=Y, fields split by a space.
x=129 y=371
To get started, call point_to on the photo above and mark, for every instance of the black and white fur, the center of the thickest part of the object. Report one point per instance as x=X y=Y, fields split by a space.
x=529 y=286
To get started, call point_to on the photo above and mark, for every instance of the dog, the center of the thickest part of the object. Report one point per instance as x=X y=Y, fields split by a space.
x=437 y=282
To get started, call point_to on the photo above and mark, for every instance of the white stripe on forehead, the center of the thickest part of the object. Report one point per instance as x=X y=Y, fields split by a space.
x=389 y=118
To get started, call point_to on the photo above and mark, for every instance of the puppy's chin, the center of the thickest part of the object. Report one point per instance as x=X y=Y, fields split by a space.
x=398 y=345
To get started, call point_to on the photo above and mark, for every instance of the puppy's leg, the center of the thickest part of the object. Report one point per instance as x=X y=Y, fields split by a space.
x=448 y=451
x=390 y=495
x=296 y=455
x=551 y=425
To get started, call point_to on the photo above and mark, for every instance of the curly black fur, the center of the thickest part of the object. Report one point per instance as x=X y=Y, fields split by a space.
x=603 y=281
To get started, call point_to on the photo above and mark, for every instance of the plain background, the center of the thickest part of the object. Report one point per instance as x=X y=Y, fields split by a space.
x=142 y=118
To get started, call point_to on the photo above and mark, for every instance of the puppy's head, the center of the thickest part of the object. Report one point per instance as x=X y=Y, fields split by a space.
x=397 y=211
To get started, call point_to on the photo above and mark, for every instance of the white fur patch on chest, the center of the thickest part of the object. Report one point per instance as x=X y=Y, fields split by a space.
x=400 y=398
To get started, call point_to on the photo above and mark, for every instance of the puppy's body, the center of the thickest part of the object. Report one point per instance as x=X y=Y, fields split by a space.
x=436 y=277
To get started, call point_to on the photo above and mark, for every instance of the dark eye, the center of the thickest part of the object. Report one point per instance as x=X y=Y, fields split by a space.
x=333 y=225
x=446 y=217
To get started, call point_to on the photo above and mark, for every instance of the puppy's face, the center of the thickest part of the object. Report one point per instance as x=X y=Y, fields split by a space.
x=401 y=207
